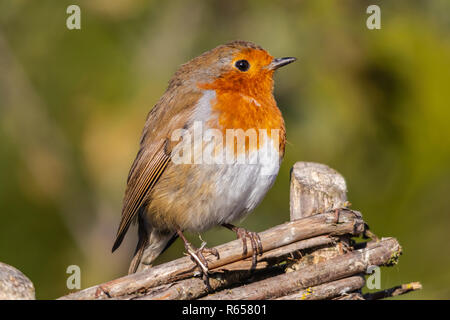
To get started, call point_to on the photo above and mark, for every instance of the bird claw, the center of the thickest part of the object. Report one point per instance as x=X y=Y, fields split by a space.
x=197 y=256
x=255 y=242
x=203 y=249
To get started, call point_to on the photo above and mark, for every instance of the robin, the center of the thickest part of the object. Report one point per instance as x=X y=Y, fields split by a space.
x=182 y=180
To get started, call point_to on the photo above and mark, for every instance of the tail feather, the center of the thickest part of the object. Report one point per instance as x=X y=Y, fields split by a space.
x=140 y=248
x=151 y=244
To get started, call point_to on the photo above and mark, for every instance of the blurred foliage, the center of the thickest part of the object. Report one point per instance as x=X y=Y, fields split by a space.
x=373 y=104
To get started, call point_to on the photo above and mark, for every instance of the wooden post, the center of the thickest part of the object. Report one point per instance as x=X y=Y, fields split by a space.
x=315 y=188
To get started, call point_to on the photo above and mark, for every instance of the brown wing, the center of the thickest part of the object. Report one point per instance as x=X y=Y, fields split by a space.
x=144 y=174
x=171 y=112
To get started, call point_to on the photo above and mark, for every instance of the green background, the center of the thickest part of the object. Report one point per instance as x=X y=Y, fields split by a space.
x=372 y=104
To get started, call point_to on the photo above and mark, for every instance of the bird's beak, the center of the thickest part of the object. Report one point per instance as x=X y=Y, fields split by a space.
x=279 y=62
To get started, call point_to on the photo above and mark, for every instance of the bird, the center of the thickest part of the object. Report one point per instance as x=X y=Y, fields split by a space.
x=190 y=174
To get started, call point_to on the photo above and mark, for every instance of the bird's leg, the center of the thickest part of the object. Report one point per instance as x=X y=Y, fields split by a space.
x=254 y=238
x=198 y=257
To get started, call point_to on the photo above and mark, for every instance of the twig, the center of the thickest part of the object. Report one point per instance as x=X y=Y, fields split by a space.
x=395 y=291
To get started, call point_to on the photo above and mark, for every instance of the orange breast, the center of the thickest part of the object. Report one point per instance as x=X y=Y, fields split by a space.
x=246 y=104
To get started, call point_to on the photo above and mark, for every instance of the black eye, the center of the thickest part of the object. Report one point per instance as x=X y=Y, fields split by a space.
x=242 y=65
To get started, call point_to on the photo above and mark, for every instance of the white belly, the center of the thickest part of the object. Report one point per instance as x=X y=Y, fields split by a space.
x=239 y=188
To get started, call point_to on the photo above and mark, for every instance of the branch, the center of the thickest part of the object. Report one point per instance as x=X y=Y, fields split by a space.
x=328 y=290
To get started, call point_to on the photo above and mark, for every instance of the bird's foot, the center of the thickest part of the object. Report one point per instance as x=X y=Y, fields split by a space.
x=254 y=238
x=203 y=249
x=197 y=256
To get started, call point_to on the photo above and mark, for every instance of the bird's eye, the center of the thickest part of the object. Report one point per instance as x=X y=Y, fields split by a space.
x=242 y=65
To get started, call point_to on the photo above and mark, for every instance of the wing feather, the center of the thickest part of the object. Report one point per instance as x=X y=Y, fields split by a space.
x=142 y=179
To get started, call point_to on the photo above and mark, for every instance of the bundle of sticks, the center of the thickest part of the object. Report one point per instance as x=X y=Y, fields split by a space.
x=324 y=252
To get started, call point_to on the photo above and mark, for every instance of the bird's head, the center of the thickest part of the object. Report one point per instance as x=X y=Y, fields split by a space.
x=239 y=66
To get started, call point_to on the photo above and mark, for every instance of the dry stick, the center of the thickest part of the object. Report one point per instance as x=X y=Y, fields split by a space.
x=328 y=290
x=395 y=291
x=232 y=273
x=386 y=251
x=350 y=222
